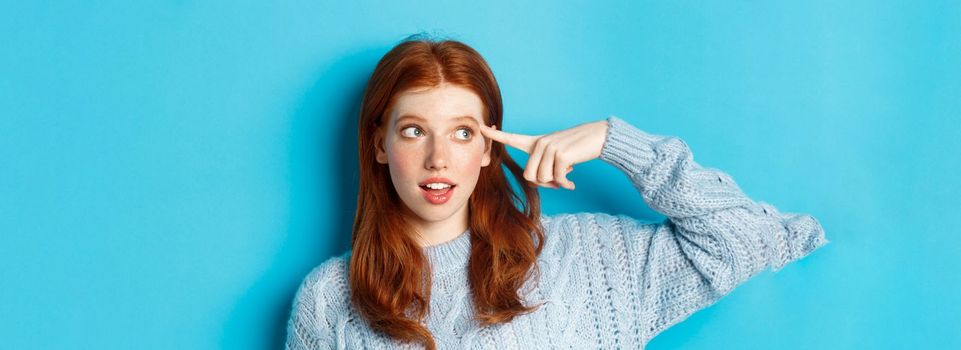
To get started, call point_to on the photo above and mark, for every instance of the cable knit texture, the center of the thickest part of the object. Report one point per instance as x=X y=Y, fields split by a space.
x=607 y=281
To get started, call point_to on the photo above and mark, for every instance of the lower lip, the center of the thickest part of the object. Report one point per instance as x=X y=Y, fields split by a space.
x=439 y=197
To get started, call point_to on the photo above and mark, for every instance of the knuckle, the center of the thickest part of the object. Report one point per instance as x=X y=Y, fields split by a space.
x=540 y=142
x=560 y=157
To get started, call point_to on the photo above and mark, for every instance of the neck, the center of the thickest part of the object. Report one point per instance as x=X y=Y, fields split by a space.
x=437 y=232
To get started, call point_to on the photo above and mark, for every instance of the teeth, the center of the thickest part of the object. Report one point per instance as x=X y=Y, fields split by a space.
x=437 y=186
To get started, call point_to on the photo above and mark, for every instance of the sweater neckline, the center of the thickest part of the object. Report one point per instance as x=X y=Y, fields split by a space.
x=451 y=255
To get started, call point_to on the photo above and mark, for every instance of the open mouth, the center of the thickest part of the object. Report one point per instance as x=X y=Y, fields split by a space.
x=438 y=190
x=437 y=194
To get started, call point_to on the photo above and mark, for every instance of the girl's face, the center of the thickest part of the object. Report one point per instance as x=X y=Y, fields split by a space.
x=433 y=137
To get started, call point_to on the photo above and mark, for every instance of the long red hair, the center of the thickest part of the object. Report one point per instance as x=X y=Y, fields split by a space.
x=390 y=276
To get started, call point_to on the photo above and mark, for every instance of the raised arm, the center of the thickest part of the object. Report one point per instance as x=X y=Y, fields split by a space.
x=714 y=238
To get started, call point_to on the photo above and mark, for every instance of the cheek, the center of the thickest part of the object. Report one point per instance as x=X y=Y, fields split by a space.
x=475 y=159
x=473 y=156
x=403 y=160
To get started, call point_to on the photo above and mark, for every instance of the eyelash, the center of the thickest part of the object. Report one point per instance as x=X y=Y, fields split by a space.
x=469 y=130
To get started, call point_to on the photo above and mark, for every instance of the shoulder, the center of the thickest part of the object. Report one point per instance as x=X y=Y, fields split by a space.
x=564 y=231
x=567 y=224
x=326 y=287
x=577 y=244
x=567 y=233
x=320 y=305
x=327 y=272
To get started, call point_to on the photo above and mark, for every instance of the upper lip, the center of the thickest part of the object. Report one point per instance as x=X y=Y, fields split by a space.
x=442 y=180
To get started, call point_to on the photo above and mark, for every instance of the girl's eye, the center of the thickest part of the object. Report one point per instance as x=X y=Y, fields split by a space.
x=466 y=133
x=414 y=133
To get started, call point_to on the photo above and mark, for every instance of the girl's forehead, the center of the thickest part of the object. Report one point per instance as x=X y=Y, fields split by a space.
x=440 y=105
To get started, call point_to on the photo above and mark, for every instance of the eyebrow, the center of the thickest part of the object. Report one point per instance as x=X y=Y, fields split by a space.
x=411 y=116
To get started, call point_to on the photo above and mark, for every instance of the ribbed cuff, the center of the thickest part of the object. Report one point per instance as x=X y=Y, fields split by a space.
x=627 y=147
x=802 y=234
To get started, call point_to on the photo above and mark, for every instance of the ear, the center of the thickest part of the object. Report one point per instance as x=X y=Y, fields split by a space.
x=379 y=146
x=487 y=152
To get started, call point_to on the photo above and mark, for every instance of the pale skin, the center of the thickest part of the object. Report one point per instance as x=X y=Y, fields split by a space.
x=552 y=156
x=439 y=132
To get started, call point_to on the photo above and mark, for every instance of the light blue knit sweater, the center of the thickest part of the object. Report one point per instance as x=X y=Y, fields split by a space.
x=607 y=281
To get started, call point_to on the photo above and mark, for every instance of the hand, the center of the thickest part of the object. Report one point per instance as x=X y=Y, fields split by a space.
x=552 y=156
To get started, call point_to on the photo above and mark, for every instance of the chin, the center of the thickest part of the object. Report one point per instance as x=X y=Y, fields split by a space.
x=433 y=213
x=436 y=214
x=432 y=217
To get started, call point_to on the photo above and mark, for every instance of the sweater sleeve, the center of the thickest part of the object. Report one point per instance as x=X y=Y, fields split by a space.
x=714 y=237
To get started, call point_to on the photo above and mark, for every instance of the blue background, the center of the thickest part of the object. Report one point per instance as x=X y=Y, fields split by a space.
x=170 y=170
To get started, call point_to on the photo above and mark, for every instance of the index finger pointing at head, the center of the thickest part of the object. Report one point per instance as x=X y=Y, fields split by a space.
x=522 y=142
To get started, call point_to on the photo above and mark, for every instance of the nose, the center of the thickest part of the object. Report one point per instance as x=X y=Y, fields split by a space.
x=436 y=154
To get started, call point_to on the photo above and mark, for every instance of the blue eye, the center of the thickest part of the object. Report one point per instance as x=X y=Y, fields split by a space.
x=417 y=132
x=467 y=133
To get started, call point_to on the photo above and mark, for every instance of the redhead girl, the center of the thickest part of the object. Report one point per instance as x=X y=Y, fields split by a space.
x=447 y=254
